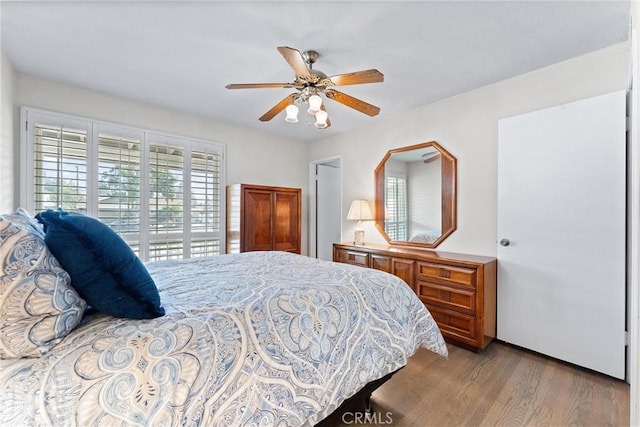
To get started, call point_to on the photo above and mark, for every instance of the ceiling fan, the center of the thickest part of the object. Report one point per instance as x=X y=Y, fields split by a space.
x=430 y=156
x=310 y=83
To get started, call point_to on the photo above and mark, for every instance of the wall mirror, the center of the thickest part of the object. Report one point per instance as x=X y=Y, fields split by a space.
x=415 y=195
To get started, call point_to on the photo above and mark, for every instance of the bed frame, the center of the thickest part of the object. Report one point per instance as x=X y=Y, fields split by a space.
x=361 y=401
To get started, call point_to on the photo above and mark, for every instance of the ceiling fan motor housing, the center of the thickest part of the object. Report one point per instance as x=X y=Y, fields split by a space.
x=310 y=57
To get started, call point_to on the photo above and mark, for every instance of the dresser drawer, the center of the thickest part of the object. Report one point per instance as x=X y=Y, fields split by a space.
x=459 y=290
x=455 y=325
x=381 y=262
x=351 y=257
x=460 y=276
x=452 y=298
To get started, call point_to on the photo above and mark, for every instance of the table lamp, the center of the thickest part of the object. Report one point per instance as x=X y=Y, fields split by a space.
x=359 y=210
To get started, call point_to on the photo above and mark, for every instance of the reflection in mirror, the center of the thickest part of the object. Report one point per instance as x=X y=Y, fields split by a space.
x=415 y=195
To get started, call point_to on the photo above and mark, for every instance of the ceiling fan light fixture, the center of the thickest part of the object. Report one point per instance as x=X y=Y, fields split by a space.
x=315 y=104
x=292 y=113
x=321 y=119
x=310 y=84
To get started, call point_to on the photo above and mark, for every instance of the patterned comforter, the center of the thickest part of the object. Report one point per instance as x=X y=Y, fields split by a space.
x=259 y=338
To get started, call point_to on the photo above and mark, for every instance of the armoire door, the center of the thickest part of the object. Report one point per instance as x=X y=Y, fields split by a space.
x=561 y=232
x=286 y=221
x=258 y=214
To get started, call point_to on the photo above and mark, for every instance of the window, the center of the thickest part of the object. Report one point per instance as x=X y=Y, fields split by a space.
x=163 y=194
x=119 y=181
x=396 y=218
x=60 y=167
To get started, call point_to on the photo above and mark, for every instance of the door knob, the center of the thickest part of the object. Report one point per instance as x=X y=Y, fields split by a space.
x=505 y=242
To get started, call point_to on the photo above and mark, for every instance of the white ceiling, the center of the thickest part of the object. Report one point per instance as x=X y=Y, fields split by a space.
x=180 y=55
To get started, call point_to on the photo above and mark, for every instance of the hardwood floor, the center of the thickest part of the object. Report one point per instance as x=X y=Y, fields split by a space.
x=501 y=386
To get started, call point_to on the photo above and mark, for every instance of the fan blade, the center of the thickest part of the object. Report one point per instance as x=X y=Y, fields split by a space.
x=436 y=156
x=350 y=101
x=295 y=60
x=279 y=107
x=358 y=77
x=257 y=85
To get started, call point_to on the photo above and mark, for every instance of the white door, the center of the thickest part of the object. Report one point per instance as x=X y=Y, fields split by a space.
x=328 y=204
x=561 y=232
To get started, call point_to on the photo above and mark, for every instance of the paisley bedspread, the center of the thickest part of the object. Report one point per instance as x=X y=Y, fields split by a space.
x=259 y=338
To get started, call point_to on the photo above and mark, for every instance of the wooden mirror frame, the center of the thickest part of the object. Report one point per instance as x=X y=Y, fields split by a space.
x=448 y=191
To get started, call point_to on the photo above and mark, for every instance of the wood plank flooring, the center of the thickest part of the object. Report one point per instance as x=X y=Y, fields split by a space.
x=501 y=386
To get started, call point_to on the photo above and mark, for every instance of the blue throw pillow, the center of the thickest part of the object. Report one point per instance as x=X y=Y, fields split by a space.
x=103 y=268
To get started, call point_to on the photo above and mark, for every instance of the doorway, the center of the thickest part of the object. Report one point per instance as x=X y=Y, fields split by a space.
x=325 y=207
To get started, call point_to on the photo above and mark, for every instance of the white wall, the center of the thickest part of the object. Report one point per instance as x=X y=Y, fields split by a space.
x=633 y=310
x=424 y=183
x=252 y=157
x=466 y=125
x=8 y=182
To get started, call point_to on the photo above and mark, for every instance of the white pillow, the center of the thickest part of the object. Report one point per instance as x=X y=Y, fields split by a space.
x=38 y=306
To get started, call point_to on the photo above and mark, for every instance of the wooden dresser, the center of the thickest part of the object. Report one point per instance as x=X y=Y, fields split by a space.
x=263 y=218
x=459 y=290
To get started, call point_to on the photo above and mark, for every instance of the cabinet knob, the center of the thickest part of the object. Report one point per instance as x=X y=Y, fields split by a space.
x=505 y=242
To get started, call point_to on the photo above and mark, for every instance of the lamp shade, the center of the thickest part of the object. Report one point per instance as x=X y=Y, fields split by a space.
x=315 y=104
x=321 y=119
x=359 y=210
x=292 y=113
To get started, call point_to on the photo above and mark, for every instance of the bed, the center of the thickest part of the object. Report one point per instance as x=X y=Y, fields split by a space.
x=258 y=338
x=429 y=236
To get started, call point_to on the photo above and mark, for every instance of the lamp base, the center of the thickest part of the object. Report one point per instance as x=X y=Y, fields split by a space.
x=358 y=237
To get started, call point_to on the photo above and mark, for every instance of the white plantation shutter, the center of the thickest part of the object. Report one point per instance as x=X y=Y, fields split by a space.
x=58 y=160
x=396 y=210
x=162 y=193
x=166 y=199
x=206 y=201
x=119 y=182
x=402 y=209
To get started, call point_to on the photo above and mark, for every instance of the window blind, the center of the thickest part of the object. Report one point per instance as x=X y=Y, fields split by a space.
x=59 y=167
x=166 y=201
x=206 y=200
x=119 y=182
x=162 y=193
x=396 y=214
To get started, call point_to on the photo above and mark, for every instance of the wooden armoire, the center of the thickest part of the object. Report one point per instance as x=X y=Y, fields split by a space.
x=263 y=218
